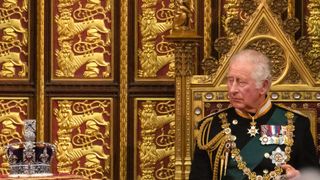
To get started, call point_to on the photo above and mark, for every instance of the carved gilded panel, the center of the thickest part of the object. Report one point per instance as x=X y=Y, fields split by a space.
x=82 y=133
x=154 y=138
x=264 y=27
x=123 y=92
x=13 y=113
x=311 y=50
x=14 y=32
x=82 y=40
x=154 y=54
x=241 y=24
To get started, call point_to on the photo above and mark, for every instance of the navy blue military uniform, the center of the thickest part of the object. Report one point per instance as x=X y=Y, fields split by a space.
x=303 y=153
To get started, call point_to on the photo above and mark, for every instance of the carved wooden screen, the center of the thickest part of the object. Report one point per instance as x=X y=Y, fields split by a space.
x=17 y=72
x=98 y=77
x=57 y=66
x=281 y=30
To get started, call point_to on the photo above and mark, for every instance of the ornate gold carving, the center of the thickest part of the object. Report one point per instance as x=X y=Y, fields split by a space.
x=275 y=53
x=212 y=103
x=185 y=44
x=154 y=54
x=291 y=8
x=12 y=49
x=291 y=26
x=149 y=3
x=209 y=65
x=313 y=27
x=248 y=7
x=232 y=10
x=202 y=79
x=235 y=25
x=123 y=89
x=151 y=63
x=313 y=56
x=222 y=45
x=12 y=114
x=157 y=143
x=236 y=13
x=40 y=70
x=221 y=96
x=207 y=29
x=278 y=7
x=150 y=27
x=69 y=63
x=88 y=143
x=178 y=129
x=184 y=64
x=93 y=45
x=183 y=15
x=293 y=77
x=268 y=29
x=67 y=28
x=304 y=45
x=10 y=58
x=263 y=28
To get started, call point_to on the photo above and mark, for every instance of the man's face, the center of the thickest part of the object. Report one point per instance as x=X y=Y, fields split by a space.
x=242 y=90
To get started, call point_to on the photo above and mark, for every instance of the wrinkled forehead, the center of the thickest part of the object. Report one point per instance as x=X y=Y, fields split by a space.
x=240 y=71
x=245 y=67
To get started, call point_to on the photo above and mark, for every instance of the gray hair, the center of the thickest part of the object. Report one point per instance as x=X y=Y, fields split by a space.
x=262 y=64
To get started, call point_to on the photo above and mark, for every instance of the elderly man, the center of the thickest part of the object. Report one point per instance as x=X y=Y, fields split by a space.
x=253 y=138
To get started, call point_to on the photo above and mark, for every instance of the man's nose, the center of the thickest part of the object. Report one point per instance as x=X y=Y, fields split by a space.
x=233 y=87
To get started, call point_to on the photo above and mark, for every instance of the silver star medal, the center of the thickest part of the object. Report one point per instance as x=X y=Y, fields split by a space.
x=278 y=157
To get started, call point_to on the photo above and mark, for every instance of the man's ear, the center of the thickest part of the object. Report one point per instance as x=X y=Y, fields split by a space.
x=265 y=87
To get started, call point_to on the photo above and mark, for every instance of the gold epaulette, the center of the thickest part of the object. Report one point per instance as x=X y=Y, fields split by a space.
x=210 y=115
x=291 y=110
x=203 y=140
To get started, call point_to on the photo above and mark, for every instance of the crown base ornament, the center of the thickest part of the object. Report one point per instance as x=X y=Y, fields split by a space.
x=32 y=170
x=30 y=158
x=37 y=170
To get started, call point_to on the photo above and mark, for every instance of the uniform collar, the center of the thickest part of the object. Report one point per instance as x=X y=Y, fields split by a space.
x=266 y=106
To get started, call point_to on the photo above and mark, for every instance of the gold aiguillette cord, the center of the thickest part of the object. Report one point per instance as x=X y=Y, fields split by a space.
x=224 y=160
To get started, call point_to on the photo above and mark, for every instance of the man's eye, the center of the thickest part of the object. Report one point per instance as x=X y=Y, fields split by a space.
x=242 y=83
x=230 y=80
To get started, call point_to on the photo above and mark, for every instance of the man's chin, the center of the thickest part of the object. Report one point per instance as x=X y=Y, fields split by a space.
x=237 y=105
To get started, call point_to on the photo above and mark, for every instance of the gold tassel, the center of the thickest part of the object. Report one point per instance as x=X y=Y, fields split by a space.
x=218 y=159
x=226 y=162
x=221 y=166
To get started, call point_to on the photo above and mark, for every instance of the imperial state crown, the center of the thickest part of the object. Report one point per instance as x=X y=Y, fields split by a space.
x=30 y=158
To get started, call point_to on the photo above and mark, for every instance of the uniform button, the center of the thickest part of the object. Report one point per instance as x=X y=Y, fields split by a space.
x=265 y=171
x=234 y=122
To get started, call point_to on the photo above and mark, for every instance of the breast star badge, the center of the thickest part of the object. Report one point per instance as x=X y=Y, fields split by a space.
x=253 y=131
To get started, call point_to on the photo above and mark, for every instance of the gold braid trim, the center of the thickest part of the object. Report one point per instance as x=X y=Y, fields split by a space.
x=217 y=142
x=203 y=136
x=217 y=158
x=204 y=132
